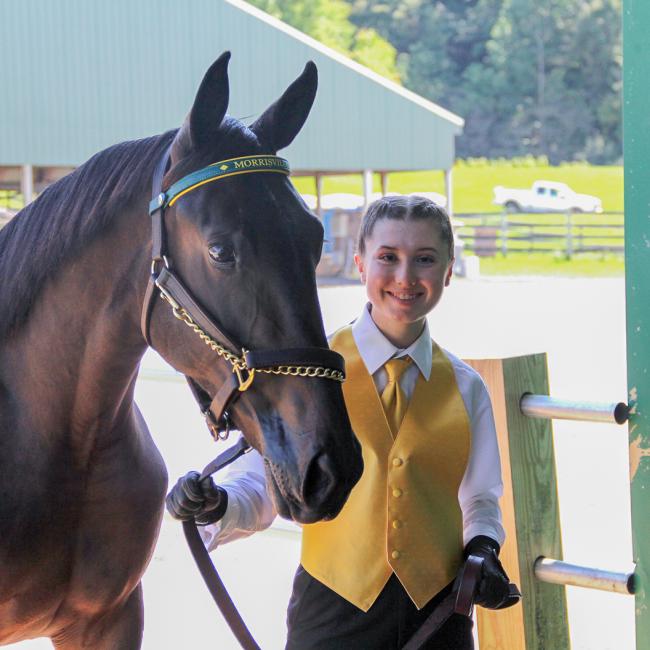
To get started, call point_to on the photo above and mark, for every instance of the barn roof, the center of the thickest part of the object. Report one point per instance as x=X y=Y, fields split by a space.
x=79 y=75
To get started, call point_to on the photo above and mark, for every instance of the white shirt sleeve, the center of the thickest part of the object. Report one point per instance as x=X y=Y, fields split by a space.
x=482 y=485
x=250 y=508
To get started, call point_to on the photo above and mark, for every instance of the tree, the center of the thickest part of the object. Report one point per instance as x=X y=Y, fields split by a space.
x=528 y=77
x=328 y=22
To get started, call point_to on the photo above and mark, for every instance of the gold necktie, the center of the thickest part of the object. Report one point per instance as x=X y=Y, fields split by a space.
x=393 y=397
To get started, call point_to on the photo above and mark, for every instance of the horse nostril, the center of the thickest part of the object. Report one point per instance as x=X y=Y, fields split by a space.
x=319 y=482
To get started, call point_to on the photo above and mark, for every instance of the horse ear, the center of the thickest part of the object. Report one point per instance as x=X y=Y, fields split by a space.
x=280 y=122
x=210 y=104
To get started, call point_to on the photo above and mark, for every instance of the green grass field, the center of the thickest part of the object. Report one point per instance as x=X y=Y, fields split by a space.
x=473 y=183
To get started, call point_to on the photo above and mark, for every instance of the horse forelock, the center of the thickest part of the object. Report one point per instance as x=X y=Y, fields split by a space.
x=67 y=216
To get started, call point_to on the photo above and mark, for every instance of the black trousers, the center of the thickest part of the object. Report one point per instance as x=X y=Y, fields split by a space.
x=319 y=619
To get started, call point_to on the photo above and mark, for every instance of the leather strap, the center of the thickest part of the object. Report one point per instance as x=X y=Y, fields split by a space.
x=231 y=454
x=157 y=245
x=459 y=601
x=215 y=410
x=147 y=309
x=171 y=284
x=295 y=357
x=218 y=408
x=207 y=569
x=216 y=587
x=469 y=580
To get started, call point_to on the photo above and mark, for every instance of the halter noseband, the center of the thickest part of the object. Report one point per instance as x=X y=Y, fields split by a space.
x=301 y=362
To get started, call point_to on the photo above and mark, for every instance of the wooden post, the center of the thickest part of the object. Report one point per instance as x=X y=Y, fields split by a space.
x=636 y=138
x=367 y=187
x=530 y=511
x=318 y=180
x=384 y=183
x=449 y=190
x=27 y=184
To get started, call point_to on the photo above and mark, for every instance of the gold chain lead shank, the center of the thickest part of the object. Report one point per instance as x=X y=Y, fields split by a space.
x=239 y=363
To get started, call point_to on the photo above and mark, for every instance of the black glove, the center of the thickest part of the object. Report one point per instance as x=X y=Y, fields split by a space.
x=204 y=502
x=493 y=590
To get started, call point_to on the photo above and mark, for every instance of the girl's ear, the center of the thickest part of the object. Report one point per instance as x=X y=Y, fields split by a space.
x=450 y=271
x=358 y=260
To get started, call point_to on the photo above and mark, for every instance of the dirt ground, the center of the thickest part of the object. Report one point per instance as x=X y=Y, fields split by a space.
x=579 y=323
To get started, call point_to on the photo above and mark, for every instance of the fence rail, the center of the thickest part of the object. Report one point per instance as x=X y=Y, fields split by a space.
x=567 y=234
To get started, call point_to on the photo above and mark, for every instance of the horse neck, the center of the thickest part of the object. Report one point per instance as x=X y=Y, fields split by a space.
x=77 y=355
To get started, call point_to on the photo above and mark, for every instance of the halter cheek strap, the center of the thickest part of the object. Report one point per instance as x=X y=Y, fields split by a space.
x=302 y=362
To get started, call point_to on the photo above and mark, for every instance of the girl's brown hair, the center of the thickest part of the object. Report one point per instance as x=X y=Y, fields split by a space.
x=405 y=208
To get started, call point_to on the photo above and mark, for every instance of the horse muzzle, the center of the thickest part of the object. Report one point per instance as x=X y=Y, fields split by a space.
x=322 y=490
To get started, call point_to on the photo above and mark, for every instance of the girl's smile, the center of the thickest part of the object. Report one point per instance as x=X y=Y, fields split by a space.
x=405 y=268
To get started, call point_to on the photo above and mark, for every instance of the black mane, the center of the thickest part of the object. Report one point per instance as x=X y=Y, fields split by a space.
x=66 y=217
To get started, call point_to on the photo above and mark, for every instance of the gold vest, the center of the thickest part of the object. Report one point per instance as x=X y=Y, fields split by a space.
x=403 y=516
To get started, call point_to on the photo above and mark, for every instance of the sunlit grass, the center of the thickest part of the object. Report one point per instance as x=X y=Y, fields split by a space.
x=584 y=265
x=473 y=184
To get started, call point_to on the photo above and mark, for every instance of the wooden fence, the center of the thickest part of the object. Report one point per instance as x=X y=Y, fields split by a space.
x=566 y=234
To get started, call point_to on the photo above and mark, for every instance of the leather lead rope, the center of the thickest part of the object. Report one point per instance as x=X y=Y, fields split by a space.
x=202 y=558
x=459 y=601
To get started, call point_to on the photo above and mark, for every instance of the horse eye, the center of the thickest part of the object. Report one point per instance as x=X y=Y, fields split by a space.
x=222 y=253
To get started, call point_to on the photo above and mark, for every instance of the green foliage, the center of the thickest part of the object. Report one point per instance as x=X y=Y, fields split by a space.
x=328 y=22
x=529 y=77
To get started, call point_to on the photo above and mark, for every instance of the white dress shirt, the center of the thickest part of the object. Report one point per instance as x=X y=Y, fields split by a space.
x=250 y=508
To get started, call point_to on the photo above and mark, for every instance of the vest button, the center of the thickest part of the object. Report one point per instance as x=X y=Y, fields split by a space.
x=396 y=555
x=397 y=523
x=397 y=462
x=397 y=493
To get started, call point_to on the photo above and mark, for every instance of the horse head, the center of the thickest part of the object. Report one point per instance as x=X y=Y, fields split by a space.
x=247 y=247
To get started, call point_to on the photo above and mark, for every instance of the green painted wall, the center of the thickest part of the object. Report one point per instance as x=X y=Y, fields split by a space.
x=79 y=75
x=636 y=121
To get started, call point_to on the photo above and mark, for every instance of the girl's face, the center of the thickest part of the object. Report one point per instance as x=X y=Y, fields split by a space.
x=405 y=268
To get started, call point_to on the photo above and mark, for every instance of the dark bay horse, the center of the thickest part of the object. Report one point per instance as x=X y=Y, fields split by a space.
x=81 y=481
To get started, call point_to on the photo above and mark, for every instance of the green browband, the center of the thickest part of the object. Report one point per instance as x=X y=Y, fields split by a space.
x=215 y=171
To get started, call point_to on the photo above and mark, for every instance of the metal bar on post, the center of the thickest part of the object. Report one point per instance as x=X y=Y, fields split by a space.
x=562 y=573
x=543 y=406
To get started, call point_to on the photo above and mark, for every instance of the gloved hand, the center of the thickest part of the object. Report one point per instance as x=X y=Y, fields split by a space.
x=493 y=589
x=202 y=501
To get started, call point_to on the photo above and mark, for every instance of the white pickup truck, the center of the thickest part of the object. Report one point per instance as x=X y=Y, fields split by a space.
x=546 y=196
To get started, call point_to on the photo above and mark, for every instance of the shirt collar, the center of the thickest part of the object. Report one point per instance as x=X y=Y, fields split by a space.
x=375 y=349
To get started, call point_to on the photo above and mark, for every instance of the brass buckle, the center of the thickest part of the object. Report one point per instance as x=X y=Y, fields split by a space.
x=244 y=384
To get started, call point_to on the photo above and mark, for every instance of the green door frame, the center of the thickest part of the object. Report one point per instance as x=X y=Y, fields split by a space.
x=636 y=137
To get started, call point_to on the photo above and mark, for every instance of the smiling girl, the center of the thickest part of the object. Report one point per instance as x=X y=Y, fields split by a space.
x=429 y=493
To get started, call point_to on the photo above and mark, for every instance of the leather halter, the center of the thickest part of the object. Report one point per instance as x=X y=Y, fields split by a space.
x=163 y=282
